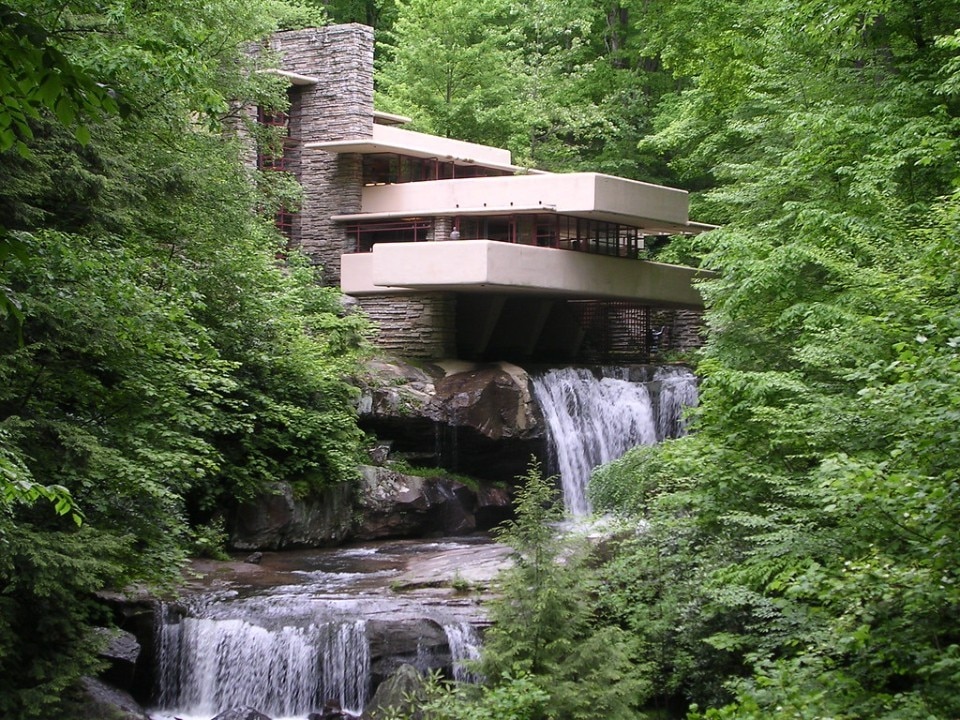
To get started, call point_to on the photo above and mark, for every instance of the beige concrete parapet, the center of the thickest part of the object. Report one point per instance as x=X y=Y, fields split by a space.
x=486 y=266
x=390 y=139
x=589 y=195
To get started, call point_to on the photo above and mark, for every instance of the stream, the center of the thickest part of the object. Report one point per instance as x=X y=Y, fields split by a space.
x=304 y=628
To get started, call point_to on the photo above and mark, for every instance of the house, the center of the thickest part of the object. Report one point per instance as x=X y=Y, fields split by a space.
x=455 y=252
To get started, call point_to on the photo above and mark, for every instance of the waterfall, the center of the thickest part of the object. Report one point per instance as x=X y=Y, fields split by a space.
x=678 y=391
x=209 y=664
x=592 y=420
x=464 y=646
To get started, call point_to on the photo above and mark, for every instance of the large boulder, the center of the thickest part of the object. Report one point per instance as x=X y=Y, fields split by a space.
x=417 y=641
x=278 y=519
x=393 y=504
x=384 y=504
x=121 y=651
x=103 y=701
x=477 y=419
x=494 y=399
x=402 y=692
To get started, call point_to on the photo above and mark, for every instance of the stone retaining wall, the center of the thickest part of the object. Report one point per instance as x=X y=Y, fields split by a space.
x=417 y=326
x=682 y=329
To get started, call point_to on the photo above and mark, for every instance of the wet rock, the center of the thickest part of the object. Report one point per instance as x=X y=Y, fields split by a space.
x=392 y=504
x=122 y=651
x=331 y=711
x=277 y=519
x=403 y=691
x=254 y=558
x=133 y=612
x=105 y=701
x=379 y=453
x=385 y=503
x=476 y=419
x=495 y=400
x=494 y=505
x=419 y=641
x=241 y=713
x=394 y=388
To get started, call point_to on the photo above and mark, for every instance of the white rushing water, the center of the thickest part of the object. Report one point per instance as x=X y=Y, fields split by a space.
x=595 y=418
x=310 y=629
x=210 y=664
x=678 y=391
x=464 y=648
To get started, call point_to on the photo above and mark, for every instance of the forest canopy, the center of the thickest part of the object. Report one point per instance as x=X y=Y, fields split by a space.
x=158 y=363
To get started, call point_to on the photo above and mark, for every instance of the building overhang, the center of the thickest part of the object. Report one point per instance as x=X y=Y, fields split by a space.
x=385 y=118
x=486 y=266
x=648 y=227
x=292 y=77
x=395 y=140
x=654 y=208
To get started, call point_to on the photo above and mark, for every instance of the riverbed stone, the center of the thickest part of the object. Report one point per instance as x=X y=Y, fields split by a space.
x=403 y=691
x=278 y=519
x=102 y=700
x=393 y=504
x=121 y=650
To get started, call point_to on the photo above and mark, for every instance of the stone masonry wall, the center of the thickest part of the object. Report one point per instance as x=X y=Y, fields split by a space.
x=416 y=326
x=339 y=107
x=441 y=229
x=681 y=328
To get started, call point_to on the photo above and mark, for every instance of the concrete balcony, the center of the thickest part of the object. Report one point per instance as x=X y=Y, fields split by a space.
x=653 y=208
x=485 y=266
x=390 y=139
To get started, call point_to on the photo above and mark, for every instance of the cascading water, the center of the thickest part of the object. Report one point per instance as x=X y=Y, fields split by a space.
x=678 y=391
x=210 y=664
x=464 y=646
x=315 y=629
x=595 y=418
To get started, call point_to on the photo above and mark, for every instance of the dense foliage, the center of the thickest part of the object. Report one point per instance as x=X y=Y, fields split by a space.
x=550 y=652
x=158 y=363
x=559 y=83
x=801 y=556
x=795 y=557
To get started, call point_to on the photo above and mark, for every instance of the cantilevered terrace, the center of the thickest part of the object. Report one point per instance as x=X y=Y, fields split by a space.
x=576 y=235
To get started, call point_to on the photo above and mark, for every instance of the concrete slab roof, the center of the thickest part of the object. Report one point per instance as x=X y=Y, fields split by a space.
x=389 y=139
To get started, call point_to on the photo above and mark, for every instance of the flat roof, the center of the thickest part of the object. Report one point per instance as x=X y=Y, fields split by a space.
x=294 y=78
x=390 y=139
x=385 y=118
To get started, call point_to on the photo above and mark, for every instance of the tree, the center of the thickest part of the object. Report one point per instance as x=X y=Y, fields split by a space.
x=809 y=511
x=545 y=623
x=35 y=75
x=161 y=364
x=452 y=66
x=557 y=83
